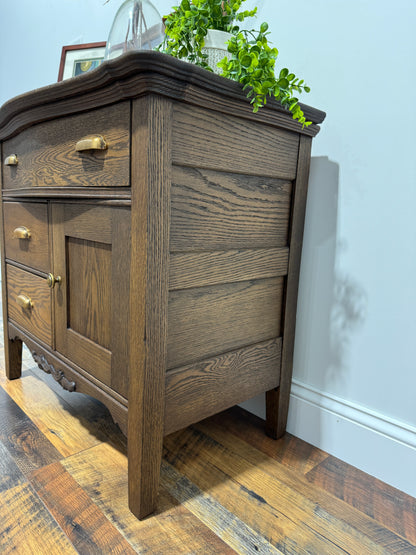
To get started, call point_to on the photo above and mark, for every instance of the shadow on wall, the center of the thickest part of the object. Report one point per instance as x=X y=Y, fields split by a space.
x=330 y=304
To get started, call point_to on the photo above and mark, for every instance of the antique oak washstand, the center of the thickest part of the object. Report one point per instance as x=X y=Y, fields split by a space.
x=152 y=231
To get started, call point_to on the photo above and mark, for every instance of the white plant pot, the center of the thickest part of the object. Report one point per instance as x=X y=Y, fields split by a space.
x=216 y=48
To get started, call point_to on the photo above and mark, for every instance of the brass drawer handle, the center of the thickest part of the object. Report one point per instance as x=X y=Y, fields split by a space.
x=21 y=232
x=52 y=280
x=11 y=160
x=91 y=143
x=24 y=301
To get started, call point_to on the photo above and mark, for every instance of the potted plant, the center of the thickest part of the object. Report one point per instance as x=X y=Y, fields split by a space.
x=250 y=59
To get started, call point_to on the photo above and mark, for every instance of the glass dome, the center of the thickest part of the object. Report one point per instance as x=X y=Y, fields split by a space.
x=136 y=26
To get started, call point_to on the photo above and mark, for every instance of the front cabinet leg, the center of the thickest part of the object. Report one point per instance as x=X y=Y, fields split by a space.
x=13 y=358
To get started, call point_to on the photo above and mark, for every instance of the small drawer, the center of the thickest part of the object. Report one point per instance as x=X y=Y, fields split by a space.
x=29 y=303
x=86 y=150
x=26 y=233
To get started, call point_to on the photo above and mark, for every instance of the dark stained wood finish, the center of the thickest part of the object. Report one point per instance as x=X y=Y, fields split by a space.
x=35 y=250
x=151 y=136
x=206 y=139
x=47 y=155
x=198 y=269
x=37 y=319
x=277 y=400
x=178 y=247
x=254 y=368
x=218 y=211
x=138 y=73
x=210 y=320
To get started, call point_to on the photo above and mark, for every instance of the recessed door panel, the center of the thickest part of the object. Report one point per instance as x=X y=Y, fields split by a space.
x=91 y=253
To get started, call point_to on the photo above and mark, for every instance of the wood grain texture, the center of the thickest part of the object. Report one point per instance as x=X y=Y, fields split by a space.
x=37 y=320
x=85 y=382
x=226 y=525
x=390 y=507
x=86 y=526
x=102 y=473
x=204 y=135
x=198 y=269
x=211 y=210
x=35 y=251
x=64 y=428
x=254 y=369
x=26 y=444
x=137 y=74
x=277 y=400
x=35 y=531
x=268 y=495
x=151 y=164
x=288 y=450
x=47 y=155
x=207 y=321
x=349 y=528
x=89 y=289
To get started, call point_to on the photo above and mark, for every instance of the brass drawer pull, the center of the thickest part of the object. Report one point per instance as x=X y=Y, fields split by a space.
x=21 y=232
x=11 y=160
x=53 y=280
x=24 y=301
x=91 y=143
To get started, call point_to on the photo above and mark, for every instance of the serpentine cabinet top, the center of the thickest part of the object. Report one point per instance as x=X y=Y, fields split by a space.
x=137 y=73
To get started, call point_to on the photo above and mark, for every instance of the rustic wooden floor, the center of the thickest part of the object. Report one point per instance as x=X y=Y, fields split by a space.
x=225 y=487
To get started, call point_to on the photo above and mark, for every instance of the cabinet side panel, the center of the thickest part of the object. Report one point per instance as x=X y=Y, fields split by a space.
x=199 y=390
x=212 y=140
x=210 y=320
x=213 y=210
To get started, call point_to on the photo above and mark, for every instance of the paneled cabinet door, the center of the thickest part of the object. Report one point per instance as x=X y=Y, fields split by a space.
x=91 y=252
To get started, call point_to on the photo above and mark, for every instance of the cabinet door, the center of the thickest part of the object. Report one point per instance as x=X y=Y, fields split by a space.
x=91 y=252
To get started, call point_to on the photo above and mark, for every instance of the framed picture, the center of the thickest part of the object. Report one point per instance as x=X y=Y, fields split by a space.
x=77 y=59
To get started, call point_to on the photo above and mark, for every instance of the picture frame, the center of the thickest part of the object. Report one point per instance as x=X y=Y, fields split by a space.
x=77 y=59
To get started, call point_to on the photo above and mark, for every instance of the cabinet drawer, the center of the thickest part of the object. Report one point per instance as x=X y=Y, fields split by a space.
x=46 y=155
x=26 y=233
x=25 y=287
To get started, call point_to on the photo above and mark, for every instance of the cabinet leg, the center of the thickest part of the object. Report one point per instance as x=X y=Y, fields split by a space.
x=144 y=462
x=275 y=420
x=13 y=358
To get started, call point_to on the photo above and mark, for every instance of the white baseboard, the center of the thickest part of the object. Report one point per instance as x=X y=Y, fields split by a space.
x=370 y=441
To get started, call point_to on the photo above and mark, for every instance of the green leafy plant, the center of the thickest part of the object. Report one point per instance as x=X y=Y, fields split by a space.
x=252 y=58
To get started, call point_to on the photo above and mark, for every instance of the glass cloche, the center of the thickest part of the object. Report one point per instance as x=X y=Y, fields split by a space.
x=136 y=26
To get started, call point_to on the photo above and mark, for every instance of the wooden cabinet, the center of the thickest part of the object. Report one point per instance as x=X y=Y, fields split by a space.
x=152 y=232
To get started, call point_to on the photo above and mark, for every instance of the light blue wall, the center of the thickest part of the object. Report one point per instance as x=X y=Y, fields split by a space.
x=356 y=320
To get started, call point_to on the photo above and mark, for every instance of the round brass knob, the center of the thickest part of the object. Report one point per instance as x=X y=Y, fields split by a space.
x=24 y=301
x=51 y=280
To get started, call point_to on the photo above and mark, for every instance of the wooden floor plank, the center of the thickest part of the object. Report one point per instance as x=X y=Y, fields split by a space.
x=225 y=524
x=390 y=507
x=28 y=447
x=305 y=523
x=82 y=521
x=63 y=427
x=27 y=527
x=102 y=472
x=10 y=474
x=288 y=450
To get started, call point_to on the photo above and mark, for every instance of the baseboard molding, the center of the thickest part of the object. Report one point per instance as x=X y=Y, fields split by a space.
x=370 y=441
